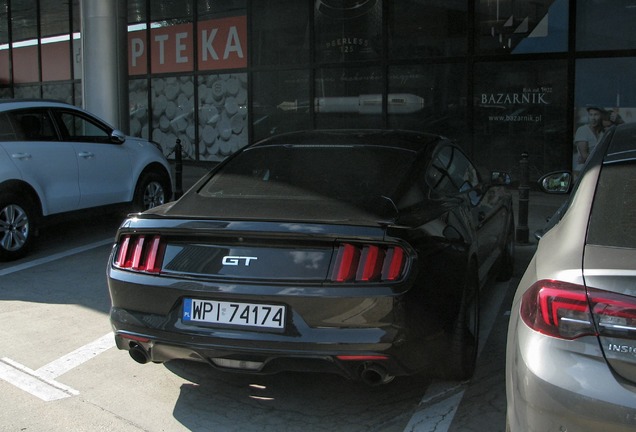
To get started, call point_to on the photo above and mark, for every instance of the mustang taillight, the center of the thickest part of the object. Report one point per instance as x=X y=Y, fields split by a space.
x=368 y=263
x=140 y=253
x=562 y=310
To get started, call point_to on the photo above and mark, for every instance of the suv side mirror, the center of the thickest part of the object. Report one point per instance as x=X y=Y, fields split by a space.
x=559 y=182
x=117 y=136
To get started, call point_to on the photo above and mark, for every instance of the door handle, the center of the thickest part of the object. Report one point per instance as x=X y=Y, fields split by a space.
x=21 y=156
x=86 y=155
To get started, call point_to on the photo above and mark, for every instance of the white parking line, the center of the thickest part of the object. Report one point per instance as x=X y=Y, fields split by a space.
x=439 y=415
x=50 y=258
x=28 y=380
x=66 y=363
x=41 y=383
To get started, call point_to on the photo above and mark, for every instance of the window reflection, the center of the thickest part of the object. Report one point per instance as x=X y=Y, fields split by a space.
x=521 y=107
x=172 y=113
x=348 y=29
x=436 y=96
x=427 y=29
x=280 y=32
x=518 y=27
x=605 y=24
x=348 y=96
x=222 y=115
x=281 y=102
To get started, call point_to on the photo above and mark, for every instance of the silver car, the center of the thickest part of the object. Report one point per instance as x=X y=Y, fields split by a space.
x=56 y=158
x=571 y=348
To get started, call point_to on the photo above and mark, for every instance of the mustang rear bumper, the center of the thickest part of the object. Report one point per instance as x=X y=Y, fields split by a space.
x=373 y=361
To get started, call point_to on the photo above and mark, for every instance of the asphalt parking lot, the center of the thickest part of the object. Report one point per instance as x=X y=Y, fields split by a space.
x=59 y=369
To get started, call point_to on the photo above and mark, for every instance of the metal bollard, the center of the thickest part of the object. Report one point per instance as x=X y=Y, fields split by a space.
x=178 y=170
x=524 y=195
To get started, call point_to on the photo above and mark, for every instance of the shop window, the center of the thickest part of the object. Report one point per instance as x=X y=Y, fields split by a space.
x=4 y=22
x=23 y=20
x=281 y=102
x=605 y=25
x=27 y=92
x=60 y=92
x=171 y=12
x=215 y=8
x=171 y=42
x=54 y=18
x=173 y=114
x=520 y=107
x=138 y=103
x=280 y=32
x=4 y=45
x=136 y=11
x=223 y=121
x=429 y=98
x=520 y=27
x=348 y=98
x=427 y=29
x=603 y=96
x=348 y=30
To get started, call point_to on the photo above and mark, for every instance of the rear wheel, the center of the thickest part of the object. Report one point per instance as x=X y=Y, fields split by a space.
x=464 y=338
x=17 y=226
x=153 y=189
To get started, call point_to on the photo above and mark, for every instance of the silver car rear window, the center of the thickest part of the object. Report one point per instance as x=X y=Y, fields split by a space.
x=613 y=217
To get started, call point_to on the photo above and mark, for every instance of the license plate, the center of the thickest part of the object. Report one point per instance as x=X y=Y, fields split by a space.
x=233 y=313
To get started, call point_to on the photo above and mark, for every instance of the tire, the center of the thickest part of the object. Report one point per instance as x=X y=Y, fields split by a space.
x=464 y=339
x=507 y=260
x=17 y=226
x=153 y=189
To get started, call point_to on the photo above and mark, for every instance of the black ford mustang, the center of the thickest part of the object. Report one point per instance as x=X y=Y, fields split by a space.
x=355 y=252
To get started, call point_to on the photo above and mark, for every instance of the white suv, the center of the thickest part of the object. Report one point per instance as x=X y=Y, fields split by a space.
x=56 y=158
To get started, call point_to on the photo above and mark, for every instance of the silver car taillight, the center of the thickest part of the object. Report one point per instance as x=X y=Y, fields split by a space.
x=615 y=314
x=562 y=310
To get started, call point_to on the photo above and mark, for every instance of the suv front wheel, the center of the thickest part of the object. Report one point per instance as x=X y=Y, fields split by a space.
x=153 y=189
x=17 y=227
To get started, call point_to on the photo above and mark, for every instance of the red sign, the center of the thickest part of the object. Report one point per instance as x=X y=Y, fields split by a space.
x=221 y=44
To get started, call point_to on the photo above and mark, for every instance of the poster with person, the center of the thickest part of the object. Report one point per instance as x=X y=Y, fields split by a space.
x=604 y=97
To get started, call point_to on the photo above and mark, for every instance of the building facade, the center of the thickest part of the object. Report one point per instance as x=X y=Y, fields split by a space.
x=501 y=77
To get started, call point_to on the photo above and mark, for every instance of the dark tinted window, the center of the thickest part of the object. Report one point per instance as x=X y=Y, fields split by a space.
x=358 y=174
x=82 y=129
x=613 y=218
x=34 y=126
x=7 y=131
x=451 y=172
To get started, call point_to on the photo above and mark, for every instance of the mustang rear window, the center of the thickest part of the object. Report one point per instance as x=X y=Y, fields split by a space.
x=351 y=173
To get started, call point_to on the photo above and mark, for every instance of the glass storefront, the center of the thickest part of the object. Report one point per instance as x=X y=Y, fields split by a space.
x=501 y=77
x=520 y=107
